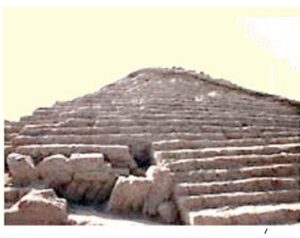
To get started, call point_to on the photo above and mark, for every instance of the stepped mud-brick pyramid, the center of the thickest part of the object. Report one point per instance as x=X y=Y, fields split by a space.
x=167 y=143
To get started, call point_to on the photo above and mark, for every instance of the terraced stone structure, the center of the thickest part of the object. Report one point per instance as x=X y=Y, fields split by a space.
x=169 y=143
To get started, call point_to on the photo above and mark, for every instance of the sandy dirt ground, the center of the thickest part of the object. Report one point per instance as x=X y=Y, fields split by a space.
x=88 y=215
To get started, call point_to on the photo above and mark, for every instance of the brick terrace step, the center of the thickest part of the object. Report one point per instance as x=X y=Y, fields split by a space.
x=159 y=156
x=247 y=215
x=237 y=199
x=146 y=129
x=140 y=137
x=278 y=170
x=231 y=161
x=197 y=144
x=240 y=185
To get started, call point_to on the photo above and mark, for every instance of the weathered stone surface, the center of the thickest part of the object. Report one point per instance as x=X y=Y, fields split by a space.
x=92 y=191
x=274 y=170
x=238 y=199
x=92 y=179
x=101 y=176
x=7 y=150
x=7 y=179
x=239 y=185
x=99 y=173
x=197 y=144
x=70 y=191
x=247 y=215
x=121 y=171
x=105 y=190
x=39 y=207
x=68 y=144
x=41 y=151
x=13 y=194
x=129 y=194
x=86 y=162
x=54 y=170
x=160 y=190
x=80 y=191
x=168 y=212
x=21 y=168
x=230 y=162
x=222 y=151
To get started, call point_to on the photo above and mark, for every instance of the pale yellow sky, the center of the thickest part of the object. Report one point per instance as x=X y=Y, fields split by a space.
x=55 y=54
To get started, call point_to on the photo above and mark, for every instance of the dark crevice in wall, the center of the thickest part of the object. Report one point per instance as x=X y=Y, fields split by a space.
x=142 y=156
